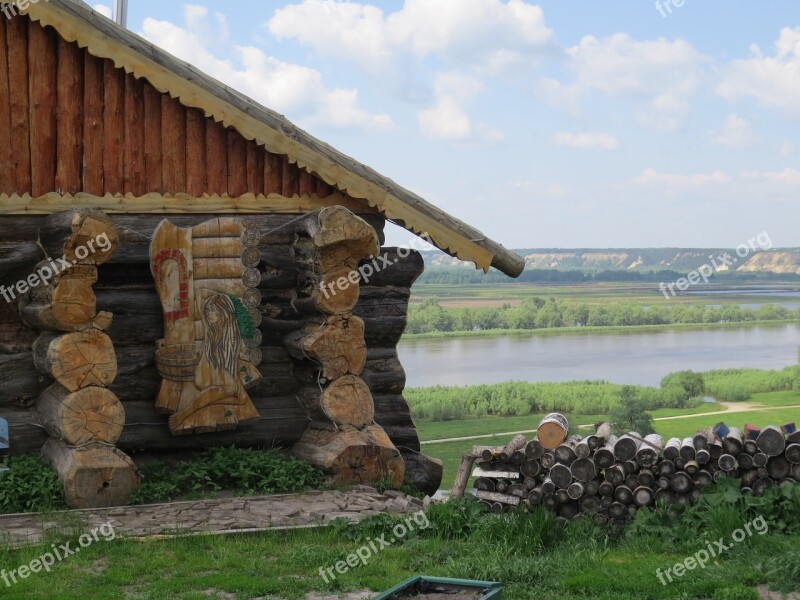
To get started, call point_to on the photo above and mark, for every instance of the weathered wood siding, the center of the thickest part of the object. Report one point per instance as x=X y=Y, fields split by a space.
x=72 y=122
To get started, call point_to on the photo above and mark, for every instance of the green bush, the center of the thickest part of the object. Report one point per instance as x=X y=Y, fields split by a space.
x=245 y=471
x=31 y=485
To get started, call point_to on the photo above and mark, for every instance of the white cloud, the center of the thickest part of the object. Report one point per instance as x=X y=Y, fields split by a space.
x=787 y=178
x=600 y=141
x=104 y=10
x=736 y=133
x=488 y=33
x=293 y=89
x=447 y=120
x=675 y=180
x=786 y=149
x=774 y=81
x=660 y=75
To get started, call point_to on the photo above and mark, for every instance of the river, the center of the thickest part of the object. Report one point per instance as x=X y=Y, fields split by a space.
x=631 y=358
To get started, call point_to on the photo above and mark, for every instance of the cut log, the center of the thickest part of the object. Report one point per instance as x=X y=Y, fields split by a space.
x=746 y=461
x=771 y=441
x=94 y=476
x=643 y=496
x=715 y=449
x=534 y=449
x=702 y=479
x=534 y=498
x=604 y=457
x=548 y=460
x=626 y=446
x=617 y=510
x=91 y=414
x=623 y=495
x=701 y=439
x=483 y=483
x=65 y=303
x=760 y=459
x=592 y=487
x=778 y=467
x=583 y=469
x=530 y=467
x=345 y=401
x=85 y=236
x=335 y=343
x=600 y=437
x=702 y=457
x=548 y=487
x=666 y=468
x=517 y=489
x=565 y=452
x=614 y=475
x=605 y=489
x=561 y=476
x=76 y=360
x=687 y=452
x=734 y=442
x=552 y=430
x=673 y=448
x=423 y=472
x=761 y=485
x=517 y=443
x=575 y=490
x=646 y=478
x=462 y=475
x=728 y=462
x=582 y=448
x=680 y=482
x=352 y=456
x=648 y=452
x=498 y=497
x=792 y=453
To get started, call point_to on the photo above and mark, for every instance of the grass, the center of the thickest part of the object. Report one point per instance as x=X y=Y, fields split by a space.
x=534 y=556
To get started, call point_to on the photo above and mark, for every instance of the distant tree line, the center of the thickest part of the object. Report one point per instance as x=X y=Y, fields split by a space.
x=538 y=313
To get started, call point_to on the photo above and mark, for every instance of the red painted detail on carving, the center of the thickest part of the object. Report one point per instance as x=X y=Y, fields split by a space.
x=183 y=280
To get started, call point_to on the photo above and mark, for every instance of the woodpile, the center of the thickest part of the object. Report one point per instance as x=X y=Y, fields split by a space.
x=608 y=479
x=83 y=418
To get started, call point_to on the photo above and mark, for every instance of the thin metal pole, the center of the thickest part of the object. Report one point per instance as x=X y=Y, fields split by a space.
x=121 y=13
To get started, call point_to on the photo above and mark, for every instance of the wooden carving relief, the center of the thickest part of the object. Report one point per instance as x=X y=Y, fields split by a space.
x=206 y=278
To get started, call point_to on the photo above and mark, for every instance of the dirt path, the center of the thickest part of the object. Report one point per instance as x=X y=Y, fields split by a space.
x=731 y=407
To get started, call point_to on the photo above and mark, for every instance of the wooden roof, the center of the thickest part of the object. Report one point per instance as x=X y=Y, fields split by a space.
x=76 y=22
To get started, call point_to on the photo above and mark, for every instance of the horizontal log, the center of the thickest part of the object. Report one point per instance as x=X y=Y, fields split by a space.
x=17 y=262
x=20 y=382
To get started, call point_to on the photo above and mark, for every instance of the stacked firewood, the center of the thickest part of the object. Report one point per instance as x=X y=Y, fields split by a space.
x=609 y=478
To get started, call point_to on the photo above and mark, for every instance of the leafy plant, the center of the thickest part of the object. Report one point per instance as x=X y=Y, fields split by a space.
x=242 y=470
x=30 y=485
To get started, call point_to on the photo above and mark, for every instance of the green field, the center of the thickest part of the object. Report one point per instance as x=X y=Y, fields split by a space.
x=450 y=452
x=645 y=293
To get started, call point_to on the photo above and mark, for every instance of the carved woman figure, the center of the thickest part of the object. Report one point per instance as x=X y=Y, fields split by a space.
x=218 y=373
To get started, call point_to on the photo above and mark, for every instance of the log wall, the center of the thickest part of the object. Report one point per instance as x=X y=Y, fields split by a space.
x=125 y=288
x=71 y=122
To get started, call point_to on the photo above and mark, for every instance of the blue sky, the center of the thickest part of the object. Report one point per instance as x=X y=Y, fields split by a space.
x=550 y=124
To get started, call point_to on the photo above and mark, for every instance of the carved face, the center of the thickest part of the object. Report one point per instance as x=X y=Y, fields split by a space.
x=212 y=313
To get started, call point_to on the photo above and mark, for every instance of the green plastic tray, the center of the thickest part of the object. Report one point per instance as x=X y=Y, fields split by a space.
x=494 y=590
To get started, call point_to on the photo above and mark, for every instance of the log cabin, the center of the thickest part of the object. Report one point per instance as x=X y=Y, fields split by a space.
x=183 y=268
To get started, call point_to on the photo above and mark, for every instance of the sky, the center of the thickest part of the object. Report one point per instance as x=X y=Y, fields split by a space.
x=551 y=124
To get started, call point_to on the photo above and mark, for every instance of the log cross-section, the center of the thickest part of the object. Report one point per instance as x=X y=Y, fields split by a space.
x=342 y=437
